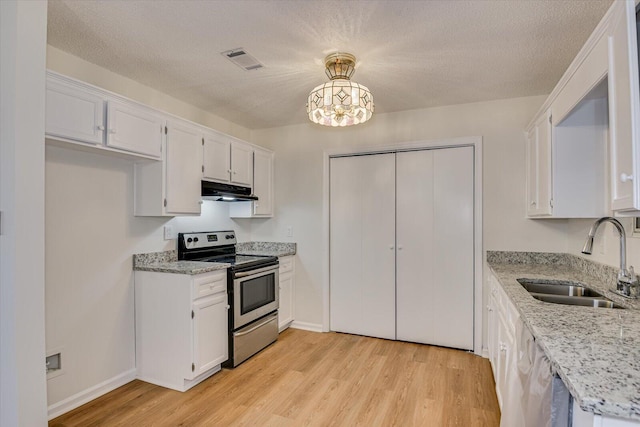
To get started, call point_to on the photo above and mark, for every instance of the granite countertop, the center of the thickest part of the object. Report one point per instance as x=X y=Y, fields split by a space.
x=595 y=351
x=167 y=261
x=278 y=249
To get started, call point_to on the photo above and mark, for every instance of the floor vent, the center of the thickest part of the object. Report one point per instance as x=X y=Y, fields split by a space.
x=242 y=59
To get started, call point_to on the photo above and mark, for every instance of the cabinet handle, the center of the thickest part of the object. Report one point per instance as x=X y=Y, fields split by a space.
x=228 y=170
x=391 y=247
x=235 y=173
x=624 y=177
x=100 y=127
x=399 y=247
x=200 y=202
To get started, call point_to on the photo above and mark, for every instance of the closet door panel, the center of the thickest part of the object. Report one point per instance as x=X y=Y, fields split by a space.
x=453 y=238
x=415 y=257
x=362 y=240
x=435 y=247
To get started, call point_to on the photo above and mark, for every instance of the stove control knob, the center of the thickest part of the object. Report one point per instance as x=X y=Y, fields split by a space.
x=195 y=239
x=230 y=236
x=189 y=240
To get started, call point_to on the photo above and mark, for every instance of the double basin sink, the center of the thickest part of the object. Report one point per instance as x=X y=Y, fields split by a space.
x=564 y=292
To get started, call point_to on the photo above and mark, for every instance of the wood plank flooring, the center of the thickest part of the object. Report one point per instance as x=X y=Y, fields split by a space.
x=314 y=379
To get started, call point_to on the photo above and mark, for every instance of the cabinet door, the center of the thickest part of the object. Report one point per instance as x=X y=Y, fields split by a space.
x=539 y=183
x=285 y=311
x=217 y=158
x=492 y=333
x=133 y=128
x=362 y=245
x=74 y=113
x=624 y=123
x=263 y=183
x=210 y=339
x=241 y=163
x=183 y=169
x=435 y=253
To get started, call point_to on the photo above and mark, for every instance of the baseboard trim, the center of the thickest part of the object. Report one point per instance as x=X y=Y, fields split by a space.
x=89 y=394
x=313 y=327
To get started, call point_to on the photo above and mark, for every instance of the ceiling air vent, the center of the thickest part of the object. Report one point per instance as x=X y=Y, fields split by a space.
x=242 y=59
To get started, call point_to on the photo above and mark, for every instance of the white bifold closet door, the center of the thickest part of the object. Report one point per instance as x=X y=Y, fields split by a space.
x=362 y=242
x=435 y=257
x=402 y=246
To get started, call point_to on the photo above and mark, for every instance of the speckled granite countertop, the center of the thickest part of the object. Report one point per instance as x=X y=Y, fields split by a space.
x=595 y=351
x=167 y=262
x=266 y=248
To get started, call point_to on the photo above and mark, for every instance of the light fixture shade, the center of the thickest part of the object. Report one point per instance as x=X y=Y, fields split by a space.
x=340 y=102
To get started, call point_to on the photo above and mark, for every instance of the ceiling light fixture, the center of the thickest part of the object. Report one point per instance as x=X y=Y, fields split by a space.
x=340 y=102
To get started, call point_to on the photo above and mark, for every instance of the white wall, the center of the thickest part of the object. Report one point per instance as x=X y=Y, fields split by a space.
x=91 y=235
x=299 y=168
x=22 y=283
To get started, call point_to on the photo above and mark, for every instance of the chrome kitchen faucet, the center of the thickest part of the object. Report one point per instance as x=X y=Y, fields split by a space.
x=627 y=284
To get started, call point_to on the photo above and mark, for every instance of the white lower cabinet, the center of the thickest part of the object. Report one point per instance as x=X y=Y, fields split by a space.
x=181 y=327
x=501 y=342
x=287 y=292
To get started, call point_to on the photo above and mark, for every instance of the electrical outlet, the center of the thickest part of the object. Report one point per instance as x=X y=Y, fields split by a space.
x=168 y=232
x=289 y=231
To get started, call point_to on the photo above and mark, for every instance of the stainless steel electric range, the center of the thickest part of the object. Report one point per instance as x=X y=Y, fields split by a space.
x=252 y=286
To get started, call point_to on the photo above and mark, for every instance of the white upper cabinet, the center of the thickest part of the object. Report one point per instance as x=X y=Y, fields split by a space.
x=624 y=109
x=172 y=187
x=262 y=188
x=227 y=160
x=80 y=113
x=134 y=128
x=539 y=167
x=183 y=172
x=595 y=127
x=217 y=157
x=241 y=163
x=73 y=112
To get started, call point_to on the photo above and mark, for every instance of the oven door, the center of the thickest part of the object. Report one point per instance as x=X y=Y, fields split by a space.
x=255 y=293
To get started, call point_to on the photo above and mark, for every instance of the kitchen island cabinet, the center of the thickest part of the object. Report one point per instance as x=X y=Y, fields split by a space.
x=181 y=327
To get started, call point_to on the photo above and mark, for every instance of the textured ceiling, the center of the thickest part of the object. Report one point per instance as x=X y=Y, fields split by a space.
x=411 y=54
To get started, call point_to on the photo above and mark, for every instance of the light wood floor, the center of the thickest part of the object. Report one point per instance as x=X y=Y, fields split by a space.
x=313 y=379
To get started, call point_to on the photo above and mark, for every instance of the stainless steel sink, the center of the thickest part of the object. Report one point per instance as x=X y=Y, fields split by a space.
x=557 y=288
x=565 y=292
x=582 y=301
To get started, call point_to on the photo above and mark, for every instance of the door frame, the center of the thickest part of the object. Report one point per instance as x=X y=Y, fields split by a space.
x=472 y=141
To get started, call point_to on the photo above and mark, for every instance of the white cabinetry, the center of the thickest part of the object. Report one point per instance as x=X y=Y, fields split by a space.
x=227 y=160
x=539 y=167
x=624 y=108
x=73 y=112
x=501 y=343
x=287 y=292
x=262 y=187
x=181 y=327
x=80 y=113
x=172 y=187
x=595 y=142
x=134 y=128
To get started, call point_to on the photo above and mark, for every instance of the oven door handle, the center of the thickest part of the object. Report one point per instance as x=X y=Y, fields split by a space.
x=259 y=270
x=239 y=334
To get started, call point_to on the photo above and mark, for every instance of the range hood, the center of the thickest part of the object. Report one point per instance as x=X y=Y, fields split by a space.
x=226 y=192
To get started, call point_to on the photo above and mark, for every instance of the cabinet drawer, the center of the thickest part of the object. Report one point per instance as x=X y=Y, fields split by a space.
x=286 y=264
x=209 y=283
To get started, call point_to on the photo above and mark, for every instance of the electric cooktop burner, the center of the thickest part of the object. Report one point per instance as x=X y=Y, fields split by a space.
x=218 y=246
